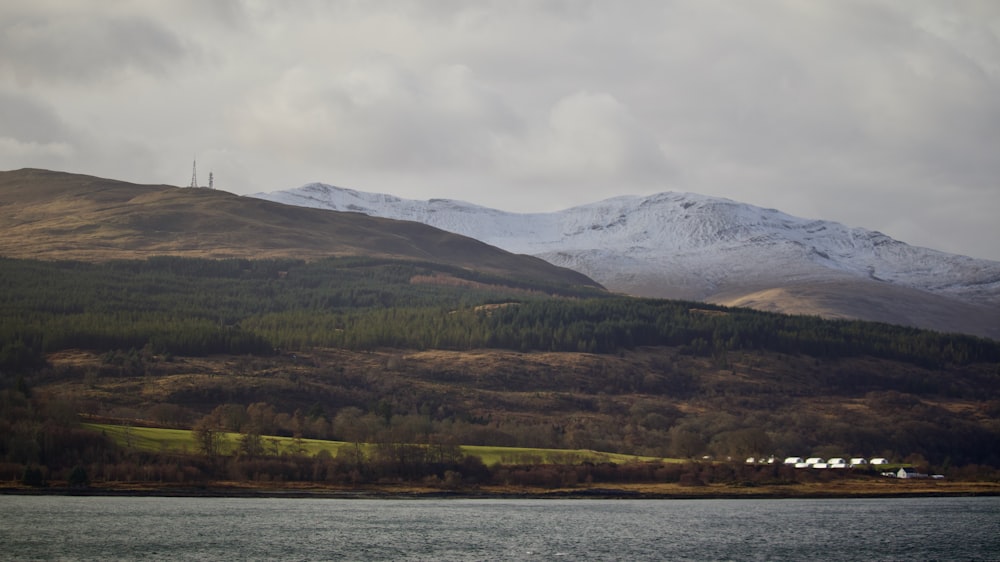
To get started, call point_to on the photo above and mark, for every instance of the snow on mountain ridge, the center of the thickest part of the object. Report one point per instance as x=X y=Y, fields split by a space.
x=682 y=245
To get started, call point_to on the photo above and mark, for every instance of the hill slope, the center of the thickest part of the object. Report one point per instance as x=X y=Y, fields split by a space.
x=653 y=401
x=688 y=246
x=55 y=215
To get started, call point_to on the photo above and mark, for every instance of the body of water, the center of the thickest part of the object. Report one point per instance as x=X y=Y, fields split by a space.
x=146 y=528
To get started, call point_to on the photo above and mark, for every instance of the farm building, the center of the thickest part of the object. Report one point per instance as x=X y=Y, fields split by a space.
x=819 y=462
x=909 y=473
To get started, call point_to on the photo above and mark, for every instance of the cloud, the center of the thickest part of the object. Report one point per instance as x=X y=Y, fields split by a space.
x=68 y=46
x=883 y=114
x=586 y=138
x=32 y=134
x=29 y=120
x=379 y=114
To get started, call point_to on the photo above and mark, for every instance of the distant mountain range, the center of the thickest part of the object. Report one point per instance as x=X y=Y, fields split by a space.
x=669 y=245
x=689 y=246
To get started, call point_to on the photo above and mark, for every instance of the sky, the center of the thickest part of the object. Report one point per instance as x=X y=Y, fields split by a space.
x=877 y=114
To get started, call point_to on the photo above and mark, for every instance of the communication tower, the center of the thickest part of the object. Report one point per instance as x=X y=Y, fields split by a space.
x=194 y=174
x=211 y=181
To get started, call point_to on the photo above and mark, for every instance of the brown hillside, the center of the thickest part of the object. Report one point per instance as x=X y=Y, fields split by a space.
x=871 y=301
x=56 y=215
x=655 y=401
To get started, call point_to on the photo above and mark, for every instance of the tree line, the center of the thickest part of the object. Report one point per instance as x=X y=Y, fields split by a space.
x=42 y=444
x=189 y=306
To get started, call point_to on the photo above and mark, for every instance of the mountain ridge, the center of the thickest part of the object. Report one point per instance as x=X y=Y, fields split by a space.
x=696 y=247
x=57 y=215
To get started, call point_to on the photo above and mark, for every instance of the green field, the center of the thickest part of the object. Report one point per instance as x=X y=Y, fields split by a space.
x=182 y=441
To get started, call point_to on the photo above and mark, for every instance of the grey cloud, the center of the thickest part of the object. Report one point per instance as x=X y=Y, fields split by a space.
x=586 y=138
x=33 y=135
x=29 y=120
x=378 y=114
x=883 y=114
x=78 y=48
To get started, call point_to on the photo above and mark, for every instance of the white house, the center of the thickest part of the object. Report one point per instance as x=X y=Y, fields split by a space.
x=909 y=473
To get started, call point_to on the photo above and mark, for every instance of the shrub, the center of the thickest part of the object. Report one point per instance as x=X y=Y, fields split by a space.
x=33 y=476
x=78 y=477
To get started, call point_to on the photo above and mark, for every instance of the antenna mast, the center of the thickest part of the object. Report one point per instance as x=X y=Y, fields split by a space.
x=211 y=181
x=194 y=173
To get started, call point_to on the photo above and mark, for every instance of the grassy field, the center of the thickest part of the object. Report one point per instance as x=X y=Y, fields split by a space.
x=182 y=441
x=522 y=455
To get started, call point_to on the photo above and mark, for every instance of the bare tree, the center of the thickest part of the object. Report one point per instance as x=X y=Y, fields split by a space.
x=208 y=436
x=251 y=444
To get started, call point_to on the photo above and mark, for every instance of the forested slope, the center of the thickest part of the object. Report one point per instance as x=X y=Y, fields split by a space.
x=191 y=306
x=399 y=351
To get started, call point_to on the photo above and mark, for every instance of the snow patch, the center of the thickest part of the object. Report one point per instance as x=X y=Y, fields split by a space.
x=685 y=242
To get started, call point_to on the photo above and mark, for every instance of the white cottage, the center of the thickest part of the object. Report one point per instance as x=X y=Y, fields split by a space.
x=909 y=473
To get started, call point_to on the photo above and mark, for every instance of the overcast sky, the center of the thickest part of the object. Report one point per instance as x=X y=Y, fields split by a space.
x=878 y=114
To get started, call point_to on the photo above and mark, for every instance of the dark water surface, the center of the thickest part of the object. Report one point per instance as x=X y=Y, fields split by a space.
x=101 y=528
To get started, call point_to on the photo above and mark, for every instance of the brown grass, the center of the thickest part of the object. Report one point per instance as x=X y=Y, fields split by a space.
x=869 y=300
x=58 y=216
x=512 y=390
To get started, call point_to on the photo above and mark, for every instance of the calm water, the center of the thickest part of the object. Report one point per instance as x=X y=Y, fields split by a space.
x=54 y=528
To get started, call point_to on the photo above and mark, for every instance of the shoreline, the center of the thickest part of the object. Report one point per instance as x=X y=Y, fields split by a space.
x=868 y=490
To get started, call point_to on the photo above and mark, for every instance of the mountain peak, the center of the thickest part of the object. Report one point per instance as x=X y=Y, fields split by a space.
x=693 y=246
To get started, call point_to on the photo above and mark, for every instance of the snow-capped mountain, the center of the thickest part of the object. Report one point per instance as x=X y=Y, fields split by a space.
x=689 y=246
